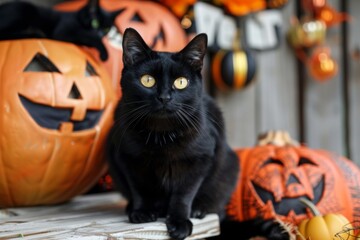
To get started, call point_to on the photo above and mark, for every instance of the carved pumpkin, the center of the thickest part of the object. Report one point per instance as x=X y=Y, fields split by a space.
x=233 y=69
x=157 y=25
x=277 y=173
x=57 y=105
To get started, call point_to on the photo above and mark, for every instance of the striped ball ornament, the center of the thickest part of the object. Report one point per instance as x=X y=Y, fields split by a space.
x=233 y=69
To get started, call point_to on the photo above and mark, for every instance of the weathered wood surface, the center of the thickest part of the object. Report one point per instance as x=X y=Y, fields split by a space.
x=98 y=216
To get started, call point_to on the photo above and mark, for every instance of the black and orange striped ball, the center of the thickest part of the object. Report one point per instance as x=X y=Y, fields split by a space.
x=233 y=69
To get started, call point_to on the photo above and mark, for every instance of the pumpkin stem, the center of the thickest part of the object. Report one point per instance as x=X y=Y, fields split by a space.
x=310 y=205
x=277 y=138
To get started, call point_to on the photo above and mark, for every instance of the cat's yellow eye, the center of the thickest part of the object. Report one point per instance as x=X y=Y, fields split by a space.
x=181 y=83
x=147 y=81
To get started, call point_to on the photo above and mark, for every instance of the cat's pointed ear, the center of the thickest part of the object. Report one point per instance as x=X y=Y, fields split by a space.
x=114 y=14
x=93 y=5
x=194 y=52
x=135 y=49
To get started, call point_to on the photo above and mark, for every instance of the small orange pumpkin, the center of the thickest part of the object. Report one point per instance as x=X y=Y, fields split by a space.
x=57 y=105
x=159 y=27
x=278 y=172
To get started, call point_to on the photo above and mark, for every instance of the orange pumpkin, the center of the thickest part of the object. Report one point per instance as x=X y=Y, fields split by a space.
x=278 y=172
x=159 y=27
x=57 y=105
x=245 y=7
x=178 y=7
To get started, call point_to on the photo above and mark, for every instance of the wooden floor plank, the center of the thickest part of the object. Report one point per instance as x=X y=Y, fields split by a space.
x=90 y=217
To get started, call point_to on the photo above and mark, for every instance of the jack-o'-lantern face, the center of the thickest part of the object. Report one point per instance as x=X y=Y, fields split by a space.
x=281 y=179
x=273 y=179
x=57 y=105
x=156 y=24
x=79 y=109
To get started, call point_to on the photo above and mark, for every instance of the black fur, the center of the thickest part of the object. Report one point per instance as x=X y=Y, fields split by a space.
x=167 y=150
x=86 y=26
x=250 y=229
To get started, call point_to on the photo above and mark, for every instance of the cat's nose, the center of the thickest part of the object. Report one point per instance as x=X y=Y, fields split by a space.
x=164 y=98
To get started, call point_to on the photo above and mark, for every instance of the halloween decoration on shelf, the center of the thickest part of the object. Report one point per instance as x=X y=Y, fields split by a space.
x=57 y=109
x=330 y=226
x=278 y=172
x=321 y=10
x=308 y=35
x=233 y=69
x=245 y=7
x=233 y=65
x=321 y=65
x=161 y=29
x=178 y=7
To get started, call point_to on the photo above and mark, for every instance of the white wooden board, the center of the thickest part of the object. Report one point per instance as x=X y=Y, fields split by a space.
x=98 y=216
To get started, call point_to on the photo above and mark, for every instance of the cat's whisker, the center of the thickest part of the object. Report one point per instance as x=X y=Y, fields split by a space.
x=136 y=115
x=205 y=113
x=148 y=138
x=134 y=102
x=188 y=121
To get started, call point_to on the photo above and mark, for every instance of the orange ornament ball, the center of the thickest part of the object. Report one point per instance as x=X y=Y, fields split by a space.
x=322 y=66
x=57 y=105
x=159 y=27
x=278 y=172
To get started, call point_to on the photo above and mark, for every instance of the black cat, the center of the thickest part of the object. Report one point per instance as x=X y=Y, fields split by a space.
x=86 y=26
x=167 y=150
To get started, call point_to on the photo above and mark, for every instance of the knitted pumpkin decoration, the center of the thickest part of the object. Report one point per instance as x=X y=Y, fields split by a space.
x=57 y=105
x=278 y=172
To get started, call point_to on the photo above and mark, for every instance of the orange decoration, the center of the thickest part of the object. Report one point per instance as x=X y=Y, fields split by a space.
x=278 y=172
x=243 y=7
x=313 y=5
x=159 y=27
x=57 y=105
x=321 y=65
x=178 y=7
x=330 y=16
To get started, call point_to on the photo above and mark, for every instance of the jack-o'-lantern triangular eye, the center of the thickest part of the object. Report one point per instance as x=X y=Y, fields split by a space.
x=40 y=63
x=74 y=92
x=303 y=161
x=90 y=71
x=137 y=18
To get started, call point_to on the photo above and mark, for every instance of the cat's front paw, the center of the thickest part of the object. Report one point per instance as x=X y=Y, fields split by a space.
x=198 y=213
x=142 y=216
x=179 y=229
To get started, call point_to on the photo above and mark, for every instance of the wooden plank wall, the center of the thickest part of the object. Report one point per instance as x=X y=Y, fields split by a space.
x=283 y=96
x=321 y=114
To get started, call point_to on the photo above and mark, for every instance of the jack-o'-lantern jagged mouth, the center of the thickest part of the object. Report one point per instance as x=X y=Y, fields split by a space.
x=287 y=204
x=52 y=118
